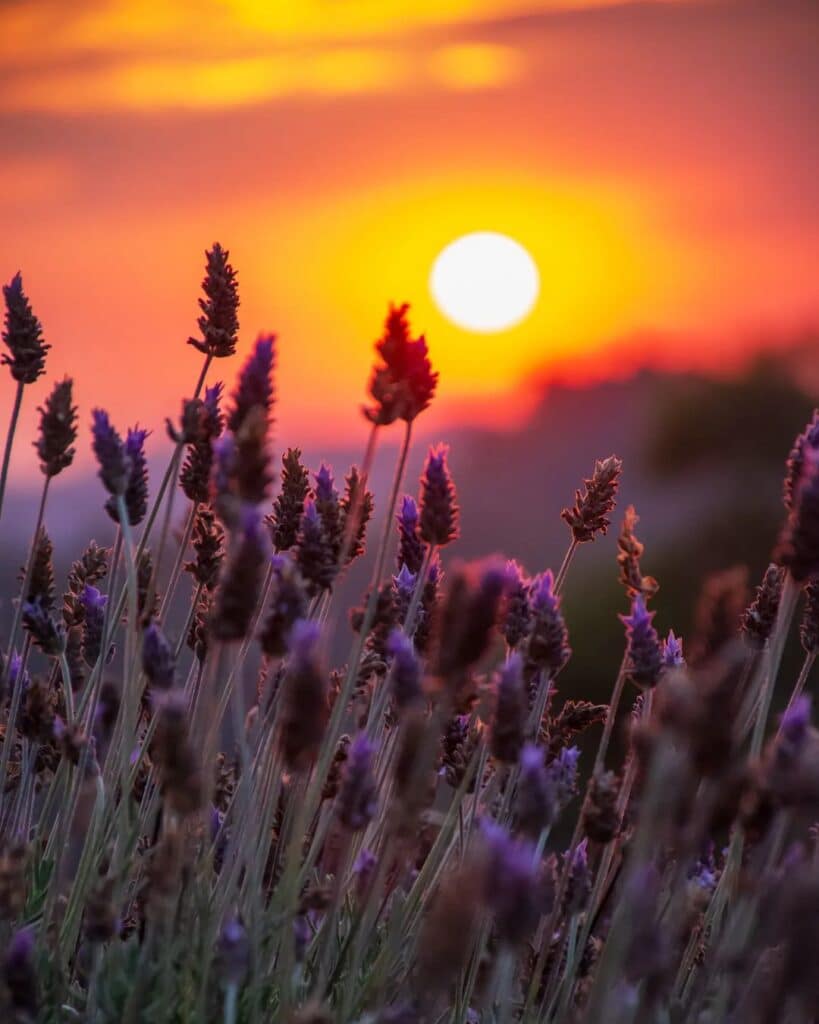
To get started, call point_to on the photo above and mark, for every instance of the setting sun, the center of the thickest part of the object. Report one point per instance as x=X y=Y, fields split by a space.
x=485 y=282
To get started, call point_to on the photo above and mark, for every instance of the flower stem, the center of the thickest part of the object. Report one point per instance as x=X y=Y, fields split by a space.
x=15 y=415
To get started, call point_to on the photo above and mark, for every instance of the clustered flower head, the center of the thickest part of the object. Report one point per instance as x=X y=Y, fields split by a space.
x=798 y=547
x=58 y=430
x=410 y=546
x=406 y=670
x=158 y=661
x=194 y=477
x=219 y=322
x=287 y=604
x=304 y=698
x=547 y=647
x=439 y=506
x=403 y=384
x=136 y=488
x=517 y=614
x=285 y=519
x=644 y=656
x=806 y=441
x=673 y=651
x=241 y=581
x=114 y=462
x=511 y=707
x=358 y=796
x=593 y=505
x=93 y=623
x=22 y=335
x=255 y=387
x=511 y=882
x=759 y=618
x=630 y=551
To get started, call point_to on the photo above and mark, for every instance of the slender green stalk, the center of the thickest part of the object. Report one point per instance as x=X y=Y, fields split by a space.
x=16 y=697
x=562 y=572
x=15 y=415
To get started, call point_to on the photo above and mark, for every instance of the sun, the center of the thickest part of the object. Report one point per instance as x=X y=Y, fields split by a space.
x=484 y=282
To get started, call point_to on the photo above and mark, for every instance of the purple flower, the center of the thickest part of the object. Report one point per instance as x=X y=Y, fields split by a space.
x=410 y=548
x=234 y=951
x=315 y=552
x=403 y=586
x=644 y=658
x=358 y=795
x=195 y=475
x=158 y=662
x=219 y=322
x=798 y=548
x=562 y=774
x=579 y=884
x=241 y=583
x=673 y=651
x=439 y=507
x=304 y=698
x=93 y=605
x=511 y=880
x=20 y=976
x=406 y=670
x=510 y=713
x=536 y=805
x=58 y=429
x=114 y=463
x=807 y=440
x=548 y=646
x=517 y=614
x=364 y=863
x=136 y=489
x=23 y=335
x=44 y=631
x=255 y=385
x=287 y=603
x=324 y=489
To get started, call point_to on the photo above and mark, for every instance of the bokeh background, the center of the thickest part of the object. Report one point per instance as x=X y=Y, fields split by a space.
x=658 y=159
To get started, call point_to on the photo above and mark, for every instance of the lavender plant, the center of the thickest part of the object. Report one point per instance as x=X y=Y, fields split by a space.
x=384 y=840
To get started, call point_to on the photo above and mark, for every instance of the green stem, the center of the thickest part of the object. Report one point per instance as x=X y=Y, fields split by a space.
x=560 y=579
x=16 y=697
x=15 y=415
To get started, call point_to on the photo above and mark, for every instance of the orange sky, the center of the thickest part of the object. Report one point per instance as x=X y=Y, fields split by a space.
x=658 y=160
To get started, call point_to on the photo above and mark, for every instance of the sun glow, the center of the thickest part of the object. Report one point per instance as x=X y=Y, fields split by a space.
x=485 y=282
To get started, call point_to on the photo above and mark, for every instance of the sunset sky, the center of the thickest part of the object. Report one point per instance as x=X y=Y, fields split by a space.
x=658 y=160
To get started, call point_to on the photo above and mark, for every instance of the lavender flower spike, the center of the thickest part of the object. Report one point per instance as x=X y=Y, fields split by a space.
x=406 y=670
x=158 y=662
x=548 y=645
x=115 y=465
x=799 y=545
x=255 y=387
x=304 y=699
x=439 y=507
x=93 y=606
x=358 y=796
x=23 y=335
x=219 y=322
x=512 y=878
x=510 y=713
x=410 y=548
x=19 y=975
x=644 y=659
x=673 y=651
x=136 y=490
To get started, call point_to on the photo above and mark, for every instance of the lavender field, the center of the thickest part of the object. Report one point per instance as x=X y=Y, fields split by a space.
x=209 y=814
